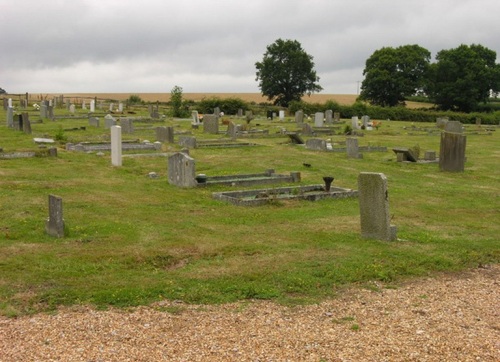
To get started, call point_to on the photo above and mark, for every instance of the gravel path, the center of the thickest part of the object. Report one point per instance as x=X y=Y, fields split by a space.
x=447 y=318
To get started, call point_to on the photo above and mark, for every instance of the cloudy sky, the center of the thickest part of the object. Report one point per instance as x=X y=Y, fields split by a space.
x=141 y=46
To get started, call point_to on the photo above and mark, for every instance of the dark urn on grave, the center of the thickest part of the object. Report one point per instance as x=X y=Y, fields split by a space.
x=328 y=182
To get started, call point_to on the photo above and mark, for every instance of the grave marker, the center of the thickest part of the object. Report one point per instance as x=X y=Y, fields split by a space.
x=318 y=119
x=299 y=117
x=116 y=146
x=181 y=170
x=352 y=148
x=328 y=116
x=452 y=152
x=54 y=225
x=211 y=124
x=374 y=207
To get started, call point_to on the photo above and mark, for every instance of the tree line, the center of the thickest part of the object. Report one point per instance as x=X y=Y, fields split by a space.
x=461 y=79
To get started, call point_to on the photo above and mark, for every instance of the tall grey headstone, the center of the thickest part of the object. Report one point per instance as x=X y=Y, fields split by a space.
x=92 y=106
x=72 y=109
x=307 y=129
x=181 y=170
x=10 y=117
x=318 y=119
x=43 y=111
x=232 y=130
x=282 y=115
x=374 y=207
x=299 y=117
x=336 y=117
x=328 y=116
x=210 y=124
x=127 y=125
x=354 y=122
x=109 y=121
x=54 y=225
x=365 y=120
x=316 y=144
x=352 y=147
x=116 y=145
x=195 y=118
x=26 y=123
x=452 y=152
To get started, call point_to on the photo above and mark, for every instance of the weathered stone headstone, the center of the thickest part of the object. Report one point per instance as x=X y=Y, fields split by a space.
x=26 y=123
x=217 y=111
x=307 y=129
x=316 y=144
x=248 y=116
x=364 y=121
x=328 y=116
x=195 y=117
x=299 y=117
x=430 y=155
x=170 y=134
x=54 y=225
x=404 y=154
x=109 y=121
x=374 y=207
x=50 y=112
x=72 y=109
x=187 y=142
x=9 y=103
x=318 y=119
x=452 y=152
x=94 y=122
x=84 y=106
x=92 y=106
x=111 y=105
x=336 y=117
x=354 y=122
x=181 y=170
x=43 y=110
x=441 y=122
x=453 y=126
x=282 y=115
x=10 y=117
x=127 y=125
x=232 y=130
x=161 y=134
x=352 y=147
x=120 y=107
x=5 y=104
x=18 y=122
x=211 y=124
x=116 y=145
x=240 y=112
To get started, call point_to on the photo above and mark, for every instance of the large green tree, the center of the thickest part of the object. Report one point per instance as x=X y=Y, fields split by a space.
x=286 y=72
x=393 y=74
x=463 y=77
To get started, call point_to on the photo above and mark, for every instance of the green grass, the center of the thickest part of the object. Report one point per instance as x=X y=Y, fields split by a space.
x=132 y=240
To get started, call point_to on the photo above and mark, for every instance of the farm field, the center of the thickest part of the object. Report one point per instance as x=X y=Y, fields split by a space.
x=134 y=240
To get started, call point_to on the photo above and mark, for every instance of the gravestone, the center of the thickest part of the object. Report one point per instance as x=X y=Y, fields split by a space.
x=430 y=156
x=9 y=103
x=307 y=129
x=84 y=106
x=127 y=125
x=120 y=107
x=43 y=110
x=54 y=226
x=336 y=117
x=26 y=123
x=232 y=130
x=441 y=122
x=316 y=144
x=299 y=117
x=181 y=170
x=352 y=147
x=211 y=124
x=240 y=112
x=453 y=126
x=161 y=134
x=94 y=122
x=217 y=111
x=5 y=104
x=10 y=117
x=282 y=115
x=374 y=207
x=296 y=139
x=109 y=121
x=404 y=154
x=195 y=118
x=116 y=146
x=318 y=119
x=72 y=109
x=452 y=152
x=50 y=112
x=187 y=142
x=18 y=122
x=248 y=116
x=328 y=116
x=354 y=122
x=92 y=106
x=170 y=134
x=111 y=105
x=364 y=121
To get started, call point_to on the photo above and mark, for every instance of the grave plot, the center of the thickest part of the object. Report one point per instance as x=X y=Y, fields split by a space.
x=264 y=196
x=106 y=146
x=404 y=154
x=192 y=142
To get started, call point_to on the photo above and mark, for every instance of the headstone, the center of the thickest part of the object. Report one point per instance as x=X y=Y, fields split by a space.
x=217 y=111
x=240 y=112
x=170 y=134
x=54 y=225
x=10 y=117
x=92 y=106
x=5 y=104
x=318 y=119
x=94 y=122
x=111 y=105
x=299 y=117
x=441 y=122
x=109 y=121
x=307 y=129
x=430 y=156
x=404 y=154
x=26 y=123
x=127 y=125
x=352 y=147
x=120 y=107
x=43 y=111
x=195 y=117
x=72 y=109
x=84 y=106
x=316 y=144
x=354 y=122
x=211 y=124
x=296 y=139
x=374 y=207
x=161 y=134
x=478 y=121
x=248 y=116
x=116 y=145
x=364 y=121
x=336 y=117
x=452 y=152
x=232 y=130
x=18 y=122
x=9 y=103
x=453 y=126
x=328 y=116
x=50 y=112
x=282 y=115
x=187 y=142
x=181 y=170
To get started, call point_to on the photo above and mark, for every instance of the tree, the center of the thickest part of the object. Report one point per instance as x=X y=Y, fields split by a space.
x=3 y=91
x=463 y=77
x=393 y=74
x=176 y=101
x=286 y=73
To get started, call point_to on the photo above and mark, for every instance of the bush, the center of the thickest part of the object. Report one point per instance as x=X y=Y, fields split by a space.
x=226 y=105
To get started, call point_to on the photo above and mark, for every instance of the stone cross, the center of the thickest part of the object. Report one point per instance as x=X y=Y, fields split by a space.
x=374 y=207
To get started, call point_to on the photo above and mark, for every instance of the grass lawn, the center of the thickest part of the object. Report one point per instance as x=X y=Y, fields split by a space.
x=133 y=240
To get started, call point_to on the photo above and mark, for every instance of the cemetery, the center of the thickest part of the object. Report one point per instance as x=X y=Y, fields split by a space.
x=89 y=218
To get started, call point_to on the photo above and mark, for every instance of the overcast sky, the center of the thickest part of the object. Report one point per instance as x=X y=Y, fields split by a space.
x=142 y=46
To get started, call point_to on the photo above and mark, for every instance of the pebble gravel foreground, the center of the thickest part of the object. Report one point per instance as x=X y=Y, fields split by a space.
x=452 y=317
